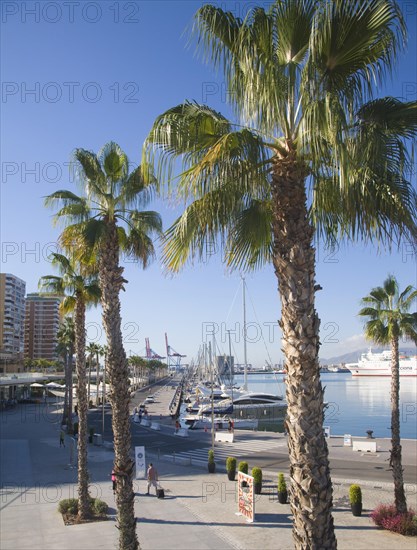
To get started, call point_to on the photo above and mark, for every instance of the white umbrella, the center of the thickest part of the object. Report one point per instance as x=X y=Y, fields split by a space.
x=36 y=385
x=52 y=385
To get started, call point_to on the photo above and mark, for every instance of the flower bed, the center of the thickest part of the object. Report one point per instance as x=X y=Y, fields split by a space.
x=386 y=516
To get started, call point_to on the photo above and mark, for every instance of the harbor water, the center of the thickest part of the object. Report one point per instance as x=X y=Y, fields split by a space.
x=355 y=404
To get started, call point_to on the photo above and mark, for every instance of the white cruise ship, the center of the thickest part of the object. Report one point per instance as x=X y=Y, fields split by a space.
x=379 y=364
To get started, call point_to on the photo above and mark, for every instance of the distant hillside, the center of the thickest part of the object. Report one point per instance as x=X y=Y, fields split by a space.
x=353 y=356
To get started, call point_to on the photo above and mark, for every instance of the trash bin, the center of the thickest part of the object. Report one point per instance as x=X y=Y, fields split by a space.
x=97 y=439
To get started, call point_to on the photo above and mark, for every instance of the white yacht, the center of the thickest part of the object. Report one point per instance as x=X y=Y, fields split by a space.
x=246 y=406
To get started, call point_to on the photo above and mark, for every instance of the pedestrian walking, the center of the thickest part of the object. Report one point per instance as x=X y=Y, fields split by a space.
x=152 y=478
x=62 y=438
x=113 y=480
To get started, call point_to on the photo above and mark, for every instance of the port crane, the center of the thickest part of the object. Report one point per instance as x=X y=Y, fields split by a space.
x=174 y=358
x=150 y=353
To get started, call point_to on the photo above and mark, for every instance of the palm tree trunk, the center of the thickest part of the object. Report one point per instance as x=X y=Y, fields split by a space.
x=90 y=360
x=70 y=391
x=97 y=383
x=111 y=281
x=294 y=263
x=83 y=496
x=395 y=459
x=66 y=394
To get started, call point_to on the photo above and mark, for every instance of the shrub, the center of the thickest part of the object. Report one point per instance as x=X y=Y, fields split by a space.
x=211 y=457
x=99 y=507
x=385 y=516
x=68 y=506
x=257 y=476
x=282 y=486
x=243 y=467
x=231 y=464
x=355 y=494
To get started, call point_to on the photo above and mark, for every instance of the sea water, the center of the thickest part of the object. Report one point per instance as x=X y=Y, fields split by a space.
x=355 y=404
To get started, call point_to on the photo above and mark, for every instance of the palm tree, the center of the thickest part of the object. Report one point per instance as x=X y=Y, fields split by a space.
x=66 y=339
x=92 y=349
x=312 y=155
x=107 y=220
x=79 y=289
x=139 y=363
x=390 y=320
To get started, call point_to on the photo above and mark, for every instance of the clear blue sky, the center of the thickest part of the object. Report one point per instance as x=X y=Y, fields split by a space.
x=80 y=74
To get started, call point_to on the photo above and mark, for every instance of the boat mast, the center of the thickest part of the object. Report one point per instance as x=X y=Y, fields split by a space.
x=212 y=396
x=245 y=358
x=229 y=362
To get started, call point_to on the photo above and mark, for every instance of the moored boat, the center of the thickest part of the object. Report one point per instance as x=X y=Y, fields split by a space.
x=379 y=364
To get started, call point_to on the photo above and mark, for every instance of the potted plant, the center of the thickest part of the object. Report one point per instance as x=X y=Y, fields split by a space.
x=243 y=467
x=282 y=489
x=211 y=464
x=355 y=498
x=231 y=467
x=257 y=480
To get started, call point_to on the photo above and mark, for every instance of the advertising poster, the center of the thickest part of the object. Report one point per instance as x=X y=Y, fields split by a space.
x=140 y=462
x=246 y=497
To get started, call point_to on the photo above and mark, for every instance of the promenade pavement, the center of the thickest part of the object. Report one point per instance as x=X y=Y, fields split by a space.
x=199 y=510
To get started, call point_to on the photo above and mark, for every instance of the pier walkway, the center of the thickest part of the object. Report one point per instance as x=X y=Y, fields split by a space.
x=199 y=510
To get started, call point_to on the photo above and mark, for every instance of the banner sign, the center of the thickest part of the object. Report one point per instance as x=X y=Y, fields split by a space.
x=246 y=496
x=140 y=462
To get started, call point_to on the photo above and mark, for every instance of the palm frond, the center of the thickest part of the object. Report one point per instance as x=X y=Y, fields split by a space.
x=148 y=220
x=83 y=240
x=211 y=152
x=51 y=284
x=139 y=246
x=250 y=237
x=114 y=162
x=138 y=188
x=67 y=305
x=353 y=45
x=89 y=172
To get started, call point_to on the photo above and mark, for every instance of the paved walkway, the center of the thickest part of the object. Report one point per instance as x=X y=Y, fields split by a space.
x=199 y=510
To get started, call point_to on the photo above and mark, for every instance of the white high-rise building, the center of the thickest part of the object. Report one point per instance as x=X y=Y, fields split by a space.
x=12 y=316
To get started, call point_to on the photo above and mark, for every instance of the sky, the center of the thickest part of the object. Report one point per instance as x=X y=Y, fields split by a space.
x=79 y=74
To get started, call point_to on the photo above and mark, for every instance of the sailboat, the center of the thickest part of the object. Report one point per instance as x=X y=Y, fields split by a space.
x=246 y=409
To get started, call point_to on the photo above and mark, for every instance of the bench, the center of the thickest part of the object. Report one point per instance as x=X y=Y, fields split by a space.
x=227 y=437
x=364 y=446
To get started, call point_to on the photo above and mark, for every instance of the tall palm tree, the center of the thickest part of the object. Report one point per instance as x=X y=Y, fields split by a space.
x=390 y=319
x=312 y=154
x=79 y=289
x=107 y=220
x=66 y=340
x=92 y=349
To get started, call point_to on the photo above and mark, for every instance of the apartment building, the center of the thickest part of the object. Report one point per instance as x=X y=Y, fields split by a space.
x=12 y=316
x=41 y=326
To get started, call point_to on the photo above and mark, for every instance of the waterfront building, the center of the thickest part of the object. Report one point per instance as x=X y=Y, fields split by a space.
x=225 y=367
x=41 y=326
x=12 y=316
